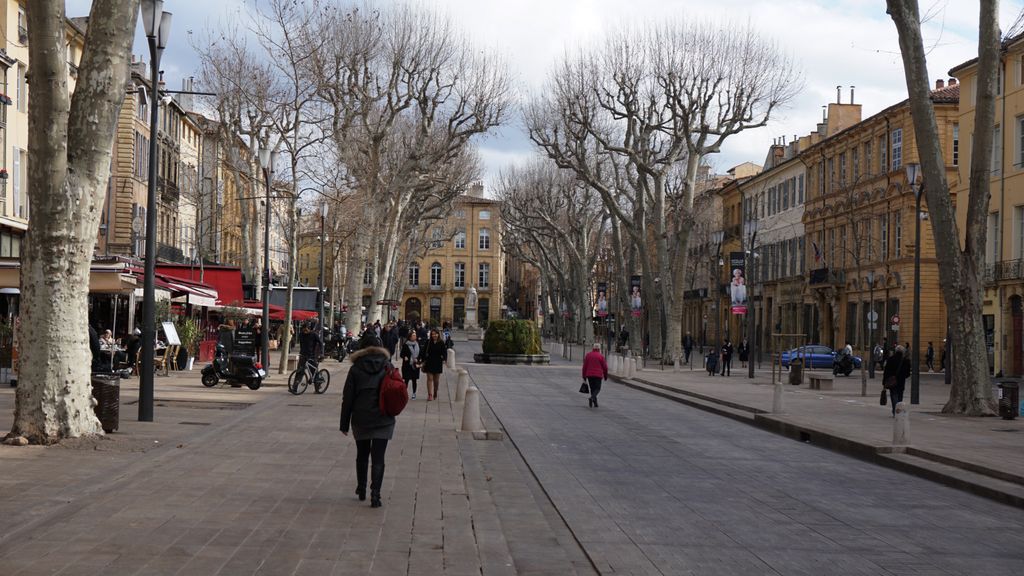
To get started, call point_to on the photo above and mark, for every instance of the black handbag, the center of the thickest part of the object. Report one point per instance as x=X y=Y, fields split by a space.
x=584 y=388
x=882 y=398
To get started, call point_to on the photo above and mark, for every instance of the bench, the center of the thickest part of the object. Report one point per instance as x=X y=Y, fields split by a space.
x=820 y=381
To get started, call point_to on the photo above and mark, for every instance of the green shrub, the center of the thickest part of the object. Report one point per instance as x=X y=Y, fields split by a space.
x=511 y=337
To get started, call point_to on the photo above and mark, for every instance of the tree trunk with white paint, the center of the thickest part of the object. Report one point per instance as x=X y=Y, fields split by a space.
x=68 y=166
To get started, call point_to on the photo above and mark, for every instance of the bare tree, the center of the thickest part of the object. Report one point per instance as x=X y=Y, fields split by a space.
x=624 y=117
x=563 y=221
x=405 y=93
x=961 y=269
x=71 y=137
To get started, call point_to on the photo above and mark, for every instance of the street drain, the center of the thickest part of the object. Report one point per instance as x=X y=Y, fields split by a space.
x=307 y=405
x=195 y=423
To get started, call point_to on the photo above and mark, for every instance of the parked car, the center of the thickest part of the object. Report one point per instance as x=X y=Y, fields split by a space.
x=817 y=357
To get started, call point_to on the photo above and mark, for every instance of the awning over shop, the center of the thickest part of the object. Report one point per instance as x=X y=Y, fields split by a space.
x=192 y=293
x=226 y=281
x=104 y=277
x=255 y=307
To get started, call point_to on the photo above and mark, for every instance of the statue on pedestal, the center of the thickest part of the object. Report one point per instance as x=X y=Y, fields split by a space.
x=471 y=301
x=471 y=319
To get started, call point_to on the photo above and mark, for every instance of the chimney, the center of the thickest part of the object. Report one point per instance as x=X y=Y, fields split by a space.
x=940 y=84
x=851 y=94
x=952 y=81
x=161 y=84
x=839 y=94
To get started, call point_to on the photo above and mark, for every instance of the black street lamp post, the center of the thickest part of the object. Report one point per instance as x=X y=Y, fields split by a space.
x=753 y=226
x=158 y=28
x=715 y=287
x=913 y=170
x=323 y=235
x=267 y=160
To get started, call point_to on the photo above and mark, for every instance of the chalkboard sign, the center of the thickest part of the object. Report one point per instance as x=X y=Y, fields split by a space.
x=245 y=341
x=171 y=333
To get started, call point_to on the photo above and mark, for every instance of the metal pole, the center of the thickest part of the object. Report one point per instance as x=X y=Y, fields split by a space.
x=751 y=335
x=323 y=306
x=149 y=280
x=265 y=344
x=915 y=378
x=871 y=324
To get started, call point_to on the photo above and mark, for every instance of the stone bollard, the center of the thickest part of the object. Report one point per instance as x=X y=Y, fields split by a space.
x=460 y=389
x=451 y=358
x=616 y=367
x=471 y=411
x=777 y=404
x=901 y=425
x=675 y=365
x=639 y=364
x=629 y=366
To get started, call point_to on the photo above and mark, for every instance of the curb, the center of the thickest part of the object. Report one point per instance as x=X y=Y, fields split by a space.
x=981 y=481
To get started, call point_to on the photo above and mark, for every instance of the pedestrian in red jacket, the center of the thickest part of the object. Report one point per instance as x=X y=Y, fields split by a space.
x=595 y=369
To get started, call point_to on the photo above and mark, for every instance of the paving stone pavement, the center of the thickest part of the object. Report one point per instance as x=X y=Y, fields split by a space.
x=231 y=481
x=650 y=486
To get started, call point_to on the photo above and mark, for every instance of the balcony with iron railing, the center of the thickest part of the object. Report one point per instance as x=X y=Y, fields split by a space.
x=826 y=277
x=168 y=189
x=1005 y=270
x=169 y=253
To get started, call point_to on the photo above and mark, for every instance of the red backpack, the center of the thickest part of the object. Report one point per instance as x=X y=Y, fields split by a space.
x=393 y=393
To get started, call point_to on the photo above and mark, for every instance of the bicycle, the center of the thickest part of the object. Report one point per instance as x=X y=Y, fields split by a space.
x=300 y=378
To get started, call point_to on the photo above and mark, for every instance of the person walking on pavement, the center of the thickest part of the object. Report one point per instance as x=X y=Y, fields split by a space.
x=687 y=348
x=595 y=370
x=894 y=376
x=360 y=409
x=727 y=358
x=744 y=352
x=410 y=356
x=433 y=355
x=929 y=357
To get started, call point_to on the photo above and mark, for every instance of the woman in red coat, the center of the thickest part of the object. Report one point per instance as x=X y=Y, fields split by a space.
x=595 y=369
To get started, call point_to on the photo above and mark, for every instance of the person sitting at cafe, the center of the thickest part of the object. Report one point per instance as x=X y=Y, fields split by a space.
x=107 y=340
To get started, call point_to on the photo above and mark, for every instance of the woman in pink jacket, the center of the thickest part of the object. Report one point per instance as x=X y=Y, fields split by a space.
x=595 y=369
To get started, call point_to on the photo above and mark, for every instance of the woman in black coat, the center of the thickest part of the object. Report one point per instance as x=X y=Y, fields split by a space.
x=433 y=355
x=411 y=361
x=360 y=407
x=897 y=367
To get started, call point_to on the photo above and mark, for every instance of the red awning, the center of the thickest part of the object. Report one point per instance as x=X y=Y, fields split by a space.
x=297 y=315
x=226 y=280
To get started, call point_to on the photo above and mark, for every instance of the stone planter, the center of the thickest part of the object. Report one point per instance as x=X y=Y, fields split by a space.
x=511 y=358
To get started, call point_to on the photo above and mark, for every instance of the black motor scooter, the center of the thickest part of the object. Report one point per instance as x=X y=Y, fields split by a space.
x=239 y=369
x=842 y=364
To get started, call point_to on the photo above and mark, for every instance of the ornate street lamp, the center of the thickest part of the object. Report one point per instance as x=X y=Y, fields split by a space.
x=158 y=29
x=913 y=171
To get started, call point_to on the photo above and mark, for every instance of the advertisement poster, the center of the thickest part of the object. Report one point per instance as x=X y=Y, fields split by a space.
x=636 y=304
x=602 y=299
x=737 y=283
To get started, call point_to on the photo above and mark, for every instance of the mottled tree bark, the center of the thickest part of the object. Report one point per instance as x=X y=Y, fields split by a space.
x=70 y=142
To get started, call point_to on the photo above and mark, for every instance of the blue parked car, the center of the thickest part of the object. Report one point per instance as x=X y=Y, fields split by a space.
x=817 y=357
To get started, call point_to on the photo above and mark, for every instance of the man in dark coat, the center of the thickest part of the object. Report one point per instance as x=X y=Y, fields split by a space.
x=897 y=369
x=310 y=346
x=360 y=408
x=389 y=337
x=727 y=358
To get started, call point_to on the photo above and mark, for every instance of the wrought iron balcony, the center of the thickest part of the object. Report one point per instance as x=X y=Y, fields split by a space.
x=826 y=277
x=169 y=253
x=1005 y=270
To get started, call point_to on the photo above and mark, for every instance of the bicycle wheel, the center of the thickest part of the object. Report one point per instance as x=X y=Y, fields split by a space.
x=322 y=381
x=297 y=382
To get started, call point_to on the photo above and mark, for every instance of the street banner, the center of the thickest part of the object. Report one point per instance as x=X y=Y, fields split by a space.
x=635 y=302
x=738 y=283
x=602 y=299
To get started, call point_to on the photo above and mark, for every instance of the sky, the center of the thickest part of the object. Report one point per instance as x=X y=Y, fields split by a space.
x=834 y=42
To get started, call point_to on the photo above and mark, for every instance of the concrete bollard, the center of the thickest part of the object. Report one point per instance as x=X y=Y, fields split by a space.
x=777 y=404
x=471 y=411
x=616 y=366
x=639 y=365
x=901 y=425
x=629 y=366
x=675 y=365
x=460 y=389
x=451 y=358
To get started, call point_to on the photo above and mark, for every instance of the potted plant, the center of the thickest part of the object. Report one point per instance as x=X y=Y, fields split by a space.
x=3 y=173
x=190 y=334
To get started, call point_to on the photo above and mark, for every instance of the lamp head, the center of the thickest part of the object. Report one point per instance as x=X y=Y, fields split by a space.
x=273 y=159
x=264 y=156
x=913 y=171
x=164 y=33
x=151 y=12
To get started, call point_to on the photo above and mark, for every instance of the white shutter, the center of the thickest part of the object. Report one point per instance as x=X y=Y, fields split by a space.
x=16 y=181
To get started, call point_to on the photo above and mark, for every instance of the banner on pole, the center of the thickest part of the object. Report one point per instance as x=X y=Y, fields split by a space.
x=738 y=283
x=602 y=299
x=636 y=304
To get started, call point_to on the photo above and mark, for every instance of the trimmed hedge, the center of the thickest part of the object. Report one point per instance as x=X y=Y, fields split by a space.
x=511 y=337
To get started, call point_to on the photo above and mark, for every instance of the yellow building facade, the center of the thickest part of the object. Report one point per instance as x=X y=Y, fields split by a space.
x=859 y=221
x=464 y=252
x=1003 y=312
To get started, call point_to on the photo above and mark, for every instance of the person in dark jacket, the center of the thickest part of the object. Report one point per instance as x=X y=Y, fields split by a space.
x=389 y=337
x=360 y=408
x=727 y=358
x=310 y=345
x=897 y=367
x=432 y=357
x=411 y=361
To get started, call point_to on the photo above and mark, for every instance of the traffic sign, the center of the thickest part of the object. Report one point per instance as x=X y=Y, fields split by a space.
x=896 y=319
x=895 y=327
x=872 y=316
x=873 y=326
